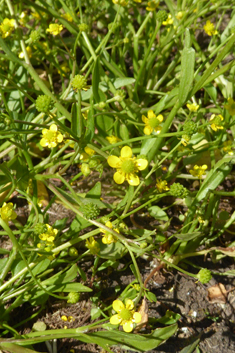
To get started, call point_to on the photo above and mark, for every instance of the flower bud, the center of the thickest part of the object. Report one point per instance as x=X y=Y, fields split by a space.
x=73 y=297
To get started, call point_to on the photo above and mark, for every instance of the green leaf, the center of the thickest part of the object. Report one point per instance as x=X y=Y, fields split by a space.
x=214 y=178
x=138 y=342
x=157 y=213
x=187 y=73
x=191 y=347
x=14 y=348
x=123 y=81
x=169 y=318
x=62 y=277
x=112 y=251
x=96 y=80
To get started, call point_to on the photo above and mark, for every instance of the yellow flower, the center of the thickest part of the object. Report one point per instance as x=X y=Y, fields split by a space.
x=169 y=21
x=127 y=166
x=49 y=235
x=39 y=16
x=180 y=15
x=209 y=28
x=89 y=152
x=67 y=17
x=7 y=213
x=138 y=1
x=51 y=137
x=23 y=18
x=29 y=52
x=192 y=107
x=162 y=185
x=227 y=147
x=126 y=316
x=230 y=106
x=55 y=29
x=198 y=171
x=92 y=245
x=152 y=123
x=6 y=27
x=113 y=139
x=152 y=5
x=185 y=140
x=109 y=238
x=120 y=2
x=64 y=68
x=215 y=121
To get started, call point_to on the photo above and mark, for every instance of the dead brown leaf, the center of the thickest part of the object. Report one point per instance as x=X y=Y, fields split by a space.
x=217 y=294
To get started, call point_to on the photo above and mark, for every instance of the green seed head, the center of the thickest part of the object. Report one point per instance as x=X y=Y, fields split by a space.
x=44 y=103
x=79 y=82
x=128 y=166
x=154 y=122
x=125 y=314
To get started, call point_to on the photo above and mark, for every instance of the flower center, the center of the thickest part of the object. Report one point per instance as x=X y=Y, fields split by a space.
x=125 y=314
x=154 y=122
x=128 y=166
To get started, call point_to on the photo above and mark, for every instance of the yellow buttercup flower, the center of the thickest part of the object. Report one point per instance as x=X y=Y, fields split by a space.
x=29 y=52
x=185 y=140
x=152 y=5
x=67 y=17
x=230 y=106
x=180 y=15
x=113 y=139
x=6 y=27
x=55 y=28
x=89 y=152
x=169 y=21
x=109 y=238
x=92 y=245
x=209 y=28
x=120 y=2
x=64 y=68
x=49 y=235
x=162 y=185
x=192 y=107
x=152 y=123
x=127 y=166
x=51 y=137
x=227 y=147
x=198 y=171
x=126 y=316
x=215 y=121
x=7 y=213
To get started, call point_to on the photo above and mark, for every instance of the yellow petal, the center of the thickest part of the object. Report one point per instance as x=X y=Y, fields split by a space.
x=128 y=326
x=118 y=305
x=151 y=114
x=115 y=319
x=118 y=178
x=113 y=161
x=129 y=304
x=160 y=118
x=137 y=317
x=144 y=119
x=133 y=179
x=204 y=166
x=43 y=142
x=60 y=138
x=109 y=224
x=126 y=152
x=53 y=127
x=148 y=130
x=142 y=164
